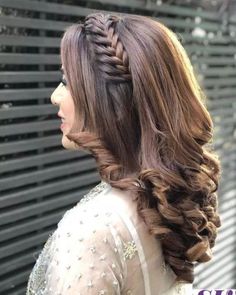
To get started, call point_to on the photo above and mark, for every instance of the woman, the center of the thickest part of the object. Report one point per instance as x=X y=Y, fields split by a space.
x=129 y=95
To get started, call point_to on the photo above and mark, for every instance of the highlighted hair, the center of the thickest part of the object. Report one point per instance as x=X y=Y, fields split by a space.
x=141 y=113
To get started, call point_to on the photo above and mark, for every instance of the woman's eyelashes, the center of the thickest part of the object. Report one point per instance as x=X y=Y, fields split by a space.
x=63 y=81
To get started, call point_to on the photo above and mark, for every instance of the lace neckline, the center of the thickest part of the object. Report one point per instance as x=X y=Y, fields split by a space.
x=94 y=192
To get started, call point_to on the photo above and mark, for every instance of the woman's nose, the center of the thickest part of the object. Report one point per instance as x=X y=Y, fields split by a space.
x=55 y=96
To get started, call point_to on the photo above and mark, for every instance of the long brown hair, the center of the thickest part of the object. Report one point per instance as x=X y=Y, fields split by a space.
x=141 y=113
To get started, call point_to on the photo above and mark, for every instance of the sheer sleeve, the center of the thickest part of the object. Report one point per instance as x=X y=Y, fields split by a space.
x=83 y=256
x=101 y=246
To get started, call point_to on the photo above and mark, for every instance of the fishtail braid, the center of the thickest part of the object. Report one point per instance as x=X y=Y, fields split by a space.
x=109 y=53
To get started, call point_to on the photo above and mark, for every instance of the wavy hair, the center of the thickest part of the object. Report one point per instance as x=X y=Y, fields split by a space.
x=141 y=113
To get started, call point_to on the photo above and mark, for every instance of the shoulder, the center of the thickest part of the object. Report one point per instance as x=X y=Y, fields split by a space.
x=100 y=204
x=87 y=252
x=95 y=216
x=97 y=221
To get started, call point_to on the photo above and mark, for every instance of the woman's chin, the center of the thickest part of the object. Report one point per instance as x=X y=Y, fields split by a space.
x=68 y=144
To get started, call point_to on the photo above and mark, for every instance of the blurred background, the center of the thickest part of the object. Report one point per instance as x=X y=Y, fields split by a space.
x=40 y=180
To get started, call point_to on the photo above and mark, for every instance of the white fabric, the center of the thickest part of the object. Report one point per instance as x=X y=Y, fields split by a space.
x=101 y=246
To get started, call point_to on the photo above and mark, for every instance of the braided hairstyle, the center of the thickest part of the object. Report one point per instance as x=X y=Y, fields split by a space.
x=109 y=53
x=141 y=113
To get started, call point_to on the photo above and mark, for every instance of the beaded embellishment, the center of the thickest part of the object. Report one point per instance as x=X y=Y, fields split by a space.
x=37 y=276
x=94 y=192
x=129 y=249
x=183 y=288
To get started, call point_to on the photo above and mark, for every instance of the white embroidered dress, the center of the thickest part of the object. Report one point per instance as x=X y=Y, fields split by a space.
x=101 y=246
